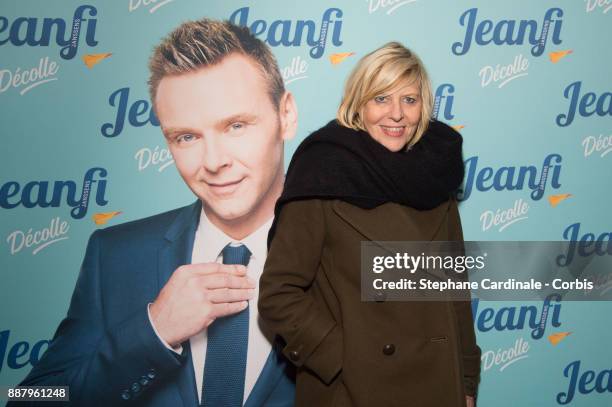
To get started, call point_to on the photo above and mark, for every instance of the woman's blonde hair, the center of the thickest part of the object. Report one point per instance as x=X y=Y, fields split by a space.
x=377 y=73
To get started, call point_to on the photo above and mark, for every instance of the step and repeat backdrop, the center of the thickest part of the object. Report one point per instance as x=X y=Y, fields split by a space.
x=526 y=83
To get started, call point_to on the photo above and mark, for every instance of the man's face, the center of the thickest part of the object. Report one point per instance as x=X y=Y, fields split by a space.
x=226 y=136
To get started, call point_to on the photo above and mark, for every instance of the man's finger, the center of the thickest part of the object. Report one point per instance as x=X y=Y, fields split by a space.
x=224 y=280
x=210 y=268
x=221 y=295
x=228 y=308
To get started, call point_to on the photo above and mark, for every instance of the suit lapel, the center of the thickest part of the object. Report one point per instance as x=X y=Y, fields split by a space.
x=177 y=252
x=179 y=242
x=268 y=378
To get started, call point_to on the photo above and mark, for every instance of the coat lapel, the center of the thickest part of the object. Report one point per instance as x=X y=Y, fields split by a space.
x=177 y=252
x=392 y=222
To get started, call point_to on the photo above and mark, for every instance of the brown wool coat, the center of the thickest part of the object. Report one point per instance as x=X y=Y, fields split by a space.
x=354 y=353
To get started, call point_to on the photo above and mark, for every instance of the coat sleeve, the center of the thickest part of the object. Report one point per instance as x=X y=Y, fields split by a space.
x=313 y=338
x=102 y=365
x=470 y=351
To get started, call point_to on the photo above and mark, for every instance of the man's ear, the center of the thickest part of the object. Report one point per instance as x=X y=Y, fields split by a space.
x=288 y=113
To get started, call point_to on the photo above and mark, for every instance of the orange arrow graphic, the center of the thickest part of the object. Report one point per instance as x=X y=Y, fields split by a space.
x=555 y=199
x=93 y=59
x=103 y=217
x=557 y=55
x=558 y=337
x=337 y=58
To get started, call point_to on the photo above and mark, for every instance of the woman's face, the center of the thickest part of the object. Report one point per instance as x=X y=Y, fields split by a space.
x=392 y=118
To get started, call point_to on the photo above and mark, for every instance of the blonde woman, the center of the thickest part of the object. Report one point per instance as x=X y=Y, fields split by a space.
x=383 y=170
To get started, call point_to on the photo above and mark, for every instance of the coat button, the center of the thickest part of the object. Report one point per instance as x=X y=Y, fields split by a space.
x=151 y=374
x=144 y=381
x=125 y=395
x=389 y=349
x=294 y=355
x=135 y=387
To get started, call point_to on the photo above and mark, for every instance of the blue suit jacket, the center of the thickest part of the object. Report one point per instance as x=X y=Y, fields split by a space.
x=106 y=350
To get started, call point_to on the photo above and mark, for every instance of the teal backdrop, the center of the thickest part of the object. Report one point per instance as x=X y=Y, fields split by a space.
x=527 y=84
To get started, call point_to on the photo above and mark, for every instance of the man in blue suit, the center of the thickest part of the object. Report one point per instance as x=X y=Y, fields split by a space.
x=164 y=311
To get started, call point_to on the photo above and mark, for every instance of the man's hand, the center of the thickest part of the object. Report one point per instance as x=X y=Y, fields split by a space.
x=197 y=294
x=469 y=401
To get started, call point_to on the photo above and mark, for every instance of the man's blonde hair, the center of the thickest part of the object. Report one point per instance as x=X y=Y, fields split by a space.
x=378 y=72
x=197 y=44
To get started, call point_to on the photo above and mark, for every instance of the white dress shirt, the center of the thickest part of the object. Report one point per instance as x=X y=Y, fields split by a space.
x=207 y=247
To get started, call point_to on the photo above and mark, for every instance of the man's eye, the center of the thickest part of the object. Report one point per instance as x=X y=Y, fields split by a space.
x=185 y=138
x=380 y=99
x=236 y=126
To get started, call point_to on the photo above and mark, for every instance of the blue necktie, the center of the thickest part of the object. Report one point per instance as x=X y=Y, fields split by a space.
x=226 y=350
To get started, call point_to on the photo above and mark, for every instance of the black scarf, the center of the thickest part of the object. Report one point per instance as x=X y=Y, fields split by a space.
x=336 y=162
